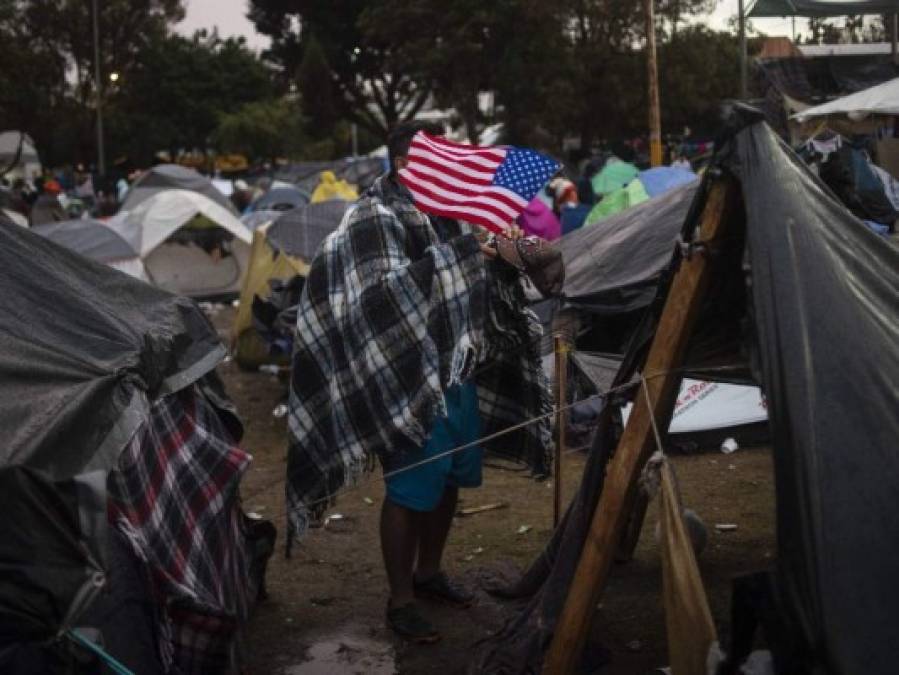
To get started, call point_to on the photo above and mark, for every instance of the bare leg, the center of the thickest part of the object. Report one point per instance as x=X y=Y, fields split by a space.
x=399 y=543
x=435 y=527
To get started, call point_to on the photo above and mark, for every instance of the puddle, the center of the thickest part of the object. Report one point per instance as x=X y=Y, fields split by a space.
x=349 y=654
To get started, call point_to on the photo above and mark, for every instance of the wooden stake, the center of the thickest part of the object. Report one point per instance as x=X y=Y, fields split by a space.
x=561 y=350
x=637 y=443
x=652 y=77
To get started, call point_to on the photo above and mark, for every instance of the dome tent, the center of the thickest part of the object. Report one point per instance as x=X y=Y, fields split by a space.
x=200 y=258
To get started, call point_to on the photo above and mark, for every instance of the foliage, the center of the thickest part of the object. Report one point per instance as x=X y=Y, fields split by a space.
x=268 y=129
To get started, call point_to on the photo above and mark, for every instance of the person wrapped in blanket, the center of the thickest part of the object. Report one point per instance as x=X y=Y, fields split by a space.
x=413 y=341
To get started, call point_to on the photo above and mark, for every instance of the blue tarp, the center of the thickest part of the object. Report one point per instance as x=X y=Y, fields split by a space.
x=661 y=179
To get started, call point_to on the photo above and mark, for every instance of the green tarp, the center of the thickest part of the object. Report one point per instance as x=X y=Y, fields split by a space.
x=615 y=202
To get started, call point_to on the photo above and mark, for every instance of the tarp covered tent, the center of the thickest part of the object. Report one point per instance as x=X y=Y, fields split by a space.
x=19 y=155
x=185 y=266
x=882 y=99
x=821 y=8
x=106 y=415
x=615 y=265
x=95 y=240
x=280 y=251
x=808 y=293
x=165 y=177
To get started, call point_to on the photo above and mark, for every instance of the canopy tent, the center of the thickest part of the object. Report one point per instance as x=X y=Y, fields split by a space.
x=109 y=411
x=281 y=250
x=95 y=240
x=19 y=155
x=173 y=177
x=821 y=8
x=882 y=99
x=803 y=294
x=186 y=267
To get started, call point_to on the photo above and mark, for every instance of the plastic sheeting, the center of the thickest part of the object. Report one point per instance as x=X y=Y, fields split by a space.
x=82 y=349
x=817 y=301
x=880 y=100
x=614 y=266
x=301 y=231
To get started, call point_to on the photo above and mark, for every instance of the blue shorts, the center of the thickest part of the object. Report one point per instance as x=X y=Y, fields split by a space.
x=422 y=488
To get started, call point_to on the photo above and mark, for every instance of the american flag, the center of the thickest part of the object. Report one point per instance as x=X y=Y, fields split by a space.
x=486 y=185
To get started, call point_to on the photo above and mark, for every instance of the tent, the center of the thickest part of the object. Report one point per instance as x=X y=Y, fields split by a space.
x=281 y=199
x=613 y=176
x=184 y=254
x=95 y=240
x=280 y=251
x=617 y=201
x=882 y=99
x=790 y=290
x=18 y=155
x=660 y=179
x=173 y=177
x=113 y=425
x=330 y=187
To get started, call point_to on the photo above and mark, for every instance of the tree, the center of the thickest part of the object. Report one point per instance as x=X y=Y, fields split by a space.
x=177 y=91
x=374 y=77
x=314 y=79
x=265 y=129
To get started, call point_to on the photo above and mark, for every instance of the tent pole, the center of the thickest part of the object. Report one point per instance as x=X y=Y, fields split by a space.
x=652 y=71
x=893 y=38
x=661 y=380
x=101 y=155
x=561 y=350
x=741 y=23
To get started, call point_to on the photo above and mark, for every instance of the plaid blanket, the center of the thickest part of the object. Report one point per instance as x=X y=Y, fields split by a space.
x=174 y=496
x=390 y=317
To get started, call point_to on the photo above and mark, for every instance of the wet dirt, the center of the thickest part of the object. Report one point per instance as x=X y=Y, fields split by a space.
x=326 y=608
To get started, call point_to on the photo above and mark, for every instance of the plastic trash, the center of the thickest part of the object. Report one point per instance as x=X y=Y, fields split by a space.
x=279 y=411
x=729 y=445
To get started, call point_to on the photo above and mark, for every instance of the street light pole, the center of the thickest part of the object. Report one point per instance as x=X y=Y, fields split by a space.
x=744 y=88
x=101 y=158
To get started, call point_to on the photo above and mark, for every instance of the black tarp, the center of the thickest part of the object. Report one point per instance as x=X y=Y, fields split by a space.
x=818 y=314
x=613 y=266
x=821 y=8
x=83 y=349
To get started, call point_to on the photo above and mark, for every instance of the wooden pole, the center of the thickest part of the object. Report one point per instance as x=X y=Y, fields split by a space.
x=652 y=72
x=561 y=350
x=637 y=443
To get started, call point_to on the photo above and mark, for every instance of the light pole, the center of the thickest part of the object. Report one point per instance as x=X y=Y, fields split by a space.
x=744 y=92
x=101 y=158
x=652 y=72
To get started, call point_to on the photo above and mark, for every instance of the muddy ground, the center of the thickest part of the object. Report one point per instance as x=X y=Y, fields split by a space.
x=325 y=613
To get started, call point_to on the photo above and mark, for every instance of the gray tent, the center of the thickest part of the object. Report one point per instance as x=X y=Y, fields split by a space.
x=614 y=266
x=91 y=238
x=299 y=232
x=172 y=176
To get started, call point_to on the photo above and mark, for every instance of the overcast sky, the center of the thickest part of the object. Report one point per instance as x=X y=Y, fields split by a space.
x=229 y=17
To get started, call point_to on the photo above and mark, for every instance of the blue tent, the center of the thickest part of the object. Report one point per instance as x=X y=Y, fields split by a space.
x=661 y=179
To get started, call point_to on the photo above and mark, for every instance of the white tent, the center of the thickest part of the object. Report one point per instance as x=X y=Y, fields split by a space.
x=184 y=267
x=28 y=165
x=882 y=99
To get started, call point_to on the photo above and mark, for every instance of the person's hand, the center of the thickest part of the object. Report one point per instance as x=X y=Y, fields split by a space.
x=514 y=233
x=489 y=251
